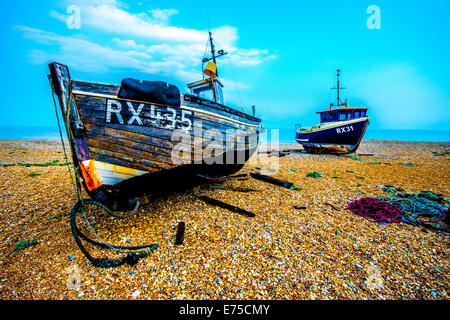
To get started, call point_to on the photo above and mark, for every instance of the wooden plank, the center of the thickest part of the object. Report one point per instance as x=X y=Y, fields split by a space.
x=93 y=130
x=197 y=136
x=134 y=159
x=116 y=140
x=188 y=98
x=162 y=146
x=101 y=88
x=278 y=182
x=179 y=238
x=190 y=153
x=126 y=160
x=194 y=149
x=227 y=206
x=129 y=151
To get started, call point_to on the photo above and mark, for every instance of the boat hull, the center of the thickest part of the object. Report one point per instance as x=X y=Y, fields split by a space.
x=118 y=143
x=343 y=137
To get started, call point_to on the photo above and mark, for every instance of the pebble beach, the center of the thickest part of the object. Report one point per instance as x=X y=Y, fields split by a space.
x=321 y=252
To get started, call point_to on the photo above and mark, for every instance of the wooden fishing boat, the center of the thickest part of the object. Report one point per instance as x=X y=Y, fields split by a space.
x=341 y=128
x=127 y=137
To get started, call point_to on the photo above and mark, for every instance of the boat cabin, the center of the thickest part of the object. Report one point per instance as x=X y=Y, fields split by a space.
x=341 y=114
x=210 y=88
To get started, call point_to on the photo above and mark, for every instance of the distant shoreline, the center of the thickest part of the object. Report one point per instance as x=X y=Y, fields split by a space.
x=58 y=141
x=283 y=135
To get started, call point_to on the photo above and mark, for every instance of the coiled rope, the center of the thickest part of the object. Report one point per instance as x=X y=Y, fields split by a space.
x=131 y=258
x=376 y=211
x=387 y=210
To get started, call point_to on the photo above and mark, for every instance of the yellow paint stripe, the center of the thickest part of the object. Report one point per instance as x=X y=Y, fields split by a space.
x=108 y=171
x=118 y=169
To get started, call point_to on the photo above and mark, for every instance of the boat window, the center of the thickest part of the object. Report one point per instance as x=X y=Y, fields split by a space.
x=356 y=114
x=332 y=116
x=203 y=91
x=351 y=115
x=363 y=113
x=342 y=115
x=328 y=116
x=219 y=93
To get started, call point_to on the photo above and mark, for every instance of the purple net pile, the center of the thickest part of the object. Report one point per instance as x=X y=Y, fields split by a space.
x=376 y=211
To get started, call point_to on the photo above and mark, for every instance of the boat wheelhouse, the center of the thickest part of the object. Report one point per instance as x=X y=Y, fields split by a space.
x=210 y=89
x=341 y=114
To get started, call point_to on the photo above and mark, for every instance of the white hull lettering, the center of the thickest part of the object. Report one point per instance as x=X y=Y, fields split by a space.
x=113 y=106
x=344 y=129
x=141 y=114
x=135 y=113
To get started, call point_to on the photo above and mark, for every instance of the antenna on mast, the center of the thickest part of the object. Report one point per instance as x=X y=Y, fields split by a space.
x=338 y=88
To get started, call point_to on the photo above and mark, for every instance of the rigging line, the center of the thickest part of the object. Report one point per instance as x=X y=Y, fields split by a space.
x=207 y=15
x=234 y=78
x=204 y=55
x=235 y=84
x=64 y=148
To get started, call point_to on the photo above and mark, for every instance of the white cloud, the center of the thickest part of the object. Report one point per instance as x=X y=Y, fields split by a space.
x=163 y=15
x=145 y=42
x=87 y=56
x=61 y=17
x=113 y=19
x=84 y=55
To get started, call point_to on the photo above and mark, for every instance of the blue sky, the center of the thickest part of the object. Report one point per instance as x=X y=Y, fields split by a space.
x=283 y=55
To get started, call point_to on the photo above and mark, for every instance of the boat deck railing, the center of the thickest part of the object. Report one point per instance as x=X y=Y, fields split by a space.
x=298 y=127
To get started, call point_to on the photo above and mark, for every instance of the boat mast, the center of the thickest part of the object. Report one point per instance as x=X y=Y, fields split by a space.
x=338 y=87
x=213 y=53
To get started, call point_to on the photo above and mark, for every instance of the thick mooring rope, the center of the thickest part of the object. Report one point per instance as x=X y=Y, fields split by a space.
x=131 y=258
x=355 y=157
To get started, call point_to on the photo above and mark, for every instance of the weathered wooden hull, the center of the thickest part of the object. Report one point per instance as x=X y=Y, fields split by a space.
x=343 y=137
x=117 y=142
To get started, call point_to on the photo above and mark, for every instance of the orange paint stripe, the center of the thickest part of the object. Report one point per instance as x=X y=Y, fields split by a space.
x=342 y=109
x=90 y=175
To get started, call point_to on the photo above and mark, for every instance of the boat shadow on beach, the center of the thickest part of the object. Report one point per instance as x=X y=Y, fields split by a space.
x=163 y=184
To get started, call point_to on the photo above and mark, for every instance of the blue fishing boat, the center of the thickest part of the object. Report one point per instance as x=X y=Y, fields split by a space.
x=341 y=128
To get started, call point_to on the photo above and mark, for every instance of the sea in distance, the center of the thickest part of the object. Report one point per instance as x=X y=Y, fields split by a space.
x=285 y=135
